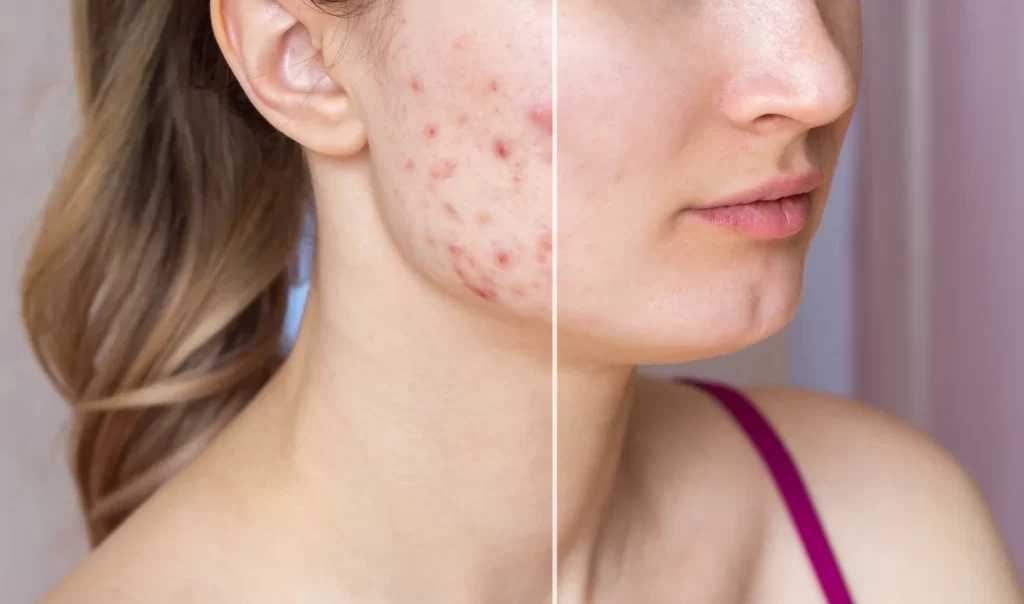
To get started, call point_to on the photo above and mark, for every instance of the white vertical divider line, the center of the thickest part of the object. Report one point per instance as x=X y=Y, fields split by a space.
x=554 y=301
x=918 y=113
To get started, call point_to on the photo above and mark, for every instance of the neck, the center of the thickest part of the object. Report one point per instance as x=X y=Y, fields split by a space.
x=417 y=436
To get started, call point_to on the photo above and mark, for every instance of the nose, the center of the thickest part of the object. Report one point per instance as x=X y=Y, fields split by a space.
x=791 y=75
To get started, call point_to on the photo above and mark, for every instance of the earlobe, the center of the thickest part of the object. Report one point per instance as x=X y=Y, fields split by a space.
x=275 y=58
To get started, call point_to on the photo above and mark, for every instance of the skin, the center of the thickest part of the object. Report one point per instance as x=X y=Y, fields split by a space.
x=404 y=451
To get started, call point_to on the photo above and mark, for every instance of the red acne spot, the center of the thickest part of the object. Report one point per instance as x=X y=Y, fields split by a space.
x=443 y=170
x=494 y=86
x=501 y=149
x=432 y=131
x=410 y=165
x=416 y=86
x=541 y=118
x=502 y=259
x=452 y=213
x=545 y=243
x=454 y=250
x=484 y=218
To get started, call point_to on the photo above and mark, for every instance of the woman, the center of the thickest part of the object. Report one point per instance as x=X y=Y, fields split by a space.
x=402 y=452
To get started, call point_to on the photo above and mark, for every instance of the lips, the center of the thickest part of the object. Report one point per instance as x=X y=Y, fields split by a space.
x=776 y=209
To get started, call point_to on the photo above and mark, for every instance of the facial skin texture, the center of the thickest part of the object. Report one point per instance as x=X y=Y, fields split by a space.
x=699 y=121
x=459 y=123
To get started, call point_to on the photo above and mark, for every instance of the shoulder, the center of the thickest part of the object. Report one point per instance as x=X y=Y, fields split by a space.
x=906 y=520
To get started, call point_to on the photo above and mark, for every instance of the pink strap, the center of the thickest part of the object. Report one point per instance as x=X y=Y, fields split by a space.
x=791 y=486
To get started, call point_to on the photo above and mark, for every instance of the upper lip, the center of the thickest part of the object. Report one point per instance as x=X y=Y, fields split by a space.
x=780 y=187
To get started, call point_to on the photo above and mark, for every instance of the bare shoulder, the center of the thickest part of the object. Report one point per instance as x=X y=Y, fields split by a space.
x=906 y=520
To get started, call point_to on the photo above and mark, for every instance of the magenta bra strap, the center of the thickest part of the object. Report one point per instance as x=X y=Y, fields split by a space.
x=790 y=485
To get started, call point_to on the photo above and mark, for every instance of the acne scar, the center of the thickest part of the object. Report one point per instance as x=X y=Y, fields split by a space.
x=443 y=170
x=541 y=117
x=452 y=213
x=484 y=293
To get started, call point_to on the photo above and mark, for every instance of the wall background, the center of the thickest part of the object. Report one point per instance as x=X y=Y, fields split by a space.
x=912 y=287
x=41 y=538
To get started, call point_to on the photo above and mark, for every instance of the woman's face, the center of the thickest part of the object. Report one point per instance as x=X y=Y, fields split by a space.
x=667 y=106
x=664 y=106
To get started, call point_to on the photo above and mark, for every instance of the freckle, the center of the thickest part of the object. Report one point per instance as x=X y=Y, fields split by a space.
x=541 y=118
x=431 y=131
x=483 y=218
x=501 y=149
x=410 y=165
x=502 y=259
x=452 y=213
x=443 y=170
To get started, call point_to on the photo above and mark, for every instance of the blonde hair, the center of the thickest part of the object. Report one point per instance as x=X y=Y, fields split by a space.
x=157 y=287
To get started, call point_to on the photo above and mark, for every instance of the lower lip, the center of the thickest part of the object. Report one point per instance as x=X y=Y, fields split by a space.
x=778 y=219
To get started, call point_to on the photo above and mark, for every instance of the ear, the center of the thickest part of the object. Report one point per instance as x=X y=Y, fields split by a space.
x=274 y=50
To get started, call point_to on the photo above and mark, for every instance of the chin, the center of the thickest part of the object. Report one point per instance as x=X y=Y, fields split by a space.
x=682 y=328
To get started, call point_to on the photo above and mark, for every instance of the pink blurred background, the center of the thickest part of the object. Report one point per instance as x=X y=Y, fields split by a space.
x=913 y=285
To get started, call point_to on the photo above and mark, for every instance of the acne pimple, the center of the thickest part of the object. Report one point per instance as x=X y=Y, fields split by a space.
x=494 y=86
x=431 y=131
x=502 y=259
x=410 y=165
x=416 y=86
x=501 y=149
x=545 y=243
